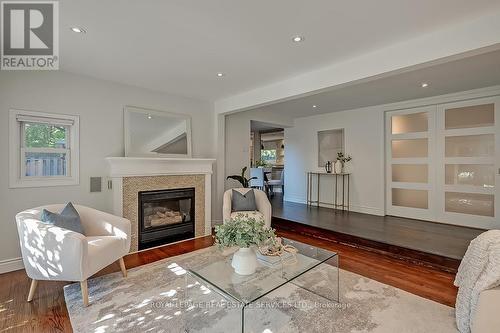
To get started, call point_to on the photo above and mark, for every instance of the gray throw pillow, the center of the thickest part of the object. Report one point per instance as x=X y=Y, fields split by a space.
x=243 y=202
x=67 y=219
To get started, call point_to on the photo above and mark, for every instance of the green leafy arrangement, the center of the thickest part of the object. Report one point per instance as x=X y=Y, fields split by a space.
x=241 y=178
x=243 y=231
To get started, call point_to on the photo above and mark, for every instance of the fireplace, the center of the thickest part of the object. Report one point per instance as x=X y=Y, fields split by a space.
x=166 y=216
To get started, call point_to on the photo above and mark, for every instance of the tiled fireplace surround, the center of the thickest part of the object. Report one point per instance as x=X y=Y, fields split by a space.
x=131 y=175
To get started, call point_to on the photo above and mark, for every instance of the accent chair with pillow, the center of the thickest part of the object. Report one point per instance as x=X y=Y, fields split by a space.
x=53 y=250
x=254 y=204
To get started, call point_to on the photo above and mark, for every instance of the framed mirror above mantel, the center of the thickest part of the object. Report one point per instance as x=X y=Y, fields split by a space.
x=155 y=133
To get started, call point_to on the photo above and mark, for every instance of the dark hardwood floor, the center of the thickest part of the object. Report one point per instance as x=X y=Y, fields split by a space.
x=48 y=313
x=435 y=238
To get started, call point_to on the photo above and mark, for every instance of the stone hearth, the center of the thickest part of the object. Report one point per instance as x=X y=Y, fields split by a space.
x=131 y=175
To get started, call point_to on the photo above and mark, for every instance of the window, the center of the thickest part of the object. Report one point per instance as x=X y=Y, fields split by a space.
x=268 y=156
x=43 y=149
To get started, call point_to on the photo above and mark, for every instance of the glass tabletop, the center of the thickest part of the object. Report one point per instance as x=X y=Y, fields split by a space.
x=268 y=276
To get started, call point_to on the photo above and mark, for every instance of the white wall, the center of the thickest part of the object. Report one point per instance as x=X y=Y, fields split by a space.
x=364 y=141
x=100 y=107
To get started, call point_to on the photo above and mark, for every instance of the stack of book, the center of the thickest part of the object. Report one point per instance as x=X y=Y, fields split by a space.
x=273 y=261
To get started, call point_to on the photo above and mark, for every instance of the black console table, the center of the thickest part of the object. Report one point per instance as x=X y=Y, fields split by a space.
x=341 y=203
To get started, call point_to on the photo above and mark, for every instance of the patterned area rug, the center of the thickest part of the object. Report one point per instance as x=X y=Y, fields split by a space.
x=159 y=298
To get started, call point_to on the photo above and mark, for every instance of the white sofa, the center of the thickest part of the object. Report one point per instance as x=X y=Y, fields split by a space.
x=486 y=318
x=263 y=206
x=53 y=253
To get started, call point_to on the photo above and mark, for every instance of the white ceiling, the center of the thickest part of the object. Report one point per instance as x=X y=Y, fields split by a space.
x=179 y=46
x=460 y=75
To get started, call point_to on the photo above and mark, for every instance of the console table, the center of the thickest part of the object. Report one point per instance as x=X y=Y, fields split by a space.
x=341 y=203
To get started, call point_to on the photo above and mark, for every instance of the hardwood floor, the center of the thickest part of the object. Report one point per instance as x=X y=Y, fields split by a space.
x=47 y=312
x=431 y=283
x=436 y=238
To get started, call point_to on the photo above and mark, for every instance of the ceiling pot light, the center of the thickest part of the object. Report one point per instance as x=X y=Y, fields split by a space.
x=298 y=39
x=315 y=106
x=78 y=30
x=424 y=85
x=220 y=74
x=149 y=116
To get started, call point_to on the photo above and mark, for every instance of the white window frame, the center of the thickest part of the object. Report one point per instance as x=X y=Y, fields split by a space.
x=17 y=172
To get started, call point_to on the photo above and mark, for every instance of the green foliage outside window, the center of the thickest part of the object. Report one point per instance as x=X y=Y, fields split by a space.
x=268 y=155
x=44 y=136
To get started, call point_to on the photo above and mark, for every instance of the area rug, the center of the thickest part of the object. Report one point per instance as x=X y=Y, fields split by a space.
x=159 y=298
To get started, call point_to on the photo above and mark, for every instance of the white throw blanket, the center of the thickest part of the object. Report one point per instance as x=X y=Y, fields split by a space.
x=478 y=271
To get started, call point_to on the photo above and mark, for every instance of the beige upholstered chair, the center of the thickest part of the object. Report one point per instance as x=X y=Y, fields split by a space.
x=263 y=206
x=53 y=253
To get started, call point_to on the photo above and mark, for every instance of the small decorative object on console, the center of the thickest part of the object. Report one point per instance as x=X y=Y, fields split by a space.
x=343 y=159
x=328 y=167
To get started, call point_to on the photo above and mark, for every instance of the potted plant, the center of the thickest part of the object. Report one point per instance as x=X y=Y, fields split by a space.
x=341 y=161
x=260 y=164
x=241 y=178
x=244 y=232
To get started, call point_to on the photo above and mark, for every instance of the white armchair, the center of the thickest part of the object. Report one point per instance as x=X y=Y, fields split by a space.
x=53 y=253
x=261 y=200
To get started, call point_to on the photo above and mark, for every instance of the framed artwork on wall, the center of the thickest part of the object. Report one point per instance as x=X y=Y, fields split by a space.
x=330 y=142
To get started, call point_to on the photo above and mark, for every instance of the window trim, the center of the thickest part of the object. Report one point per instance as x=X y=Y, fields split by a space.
x=17 y=178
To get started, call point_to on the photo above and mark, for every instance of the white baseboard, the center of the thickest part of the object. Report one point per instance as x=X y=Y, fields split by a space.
x=11 y=265
x=367 y=210
x=353 y=208
x=294 y=199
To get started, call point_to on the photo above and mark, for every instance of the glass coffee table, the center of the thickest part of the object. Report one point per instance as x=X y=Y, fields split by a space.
x=243 y=291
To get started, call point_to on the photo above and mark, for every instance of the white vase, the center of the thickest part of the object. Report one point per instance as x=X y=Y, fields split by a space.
x=338 y=167
x=244 y=261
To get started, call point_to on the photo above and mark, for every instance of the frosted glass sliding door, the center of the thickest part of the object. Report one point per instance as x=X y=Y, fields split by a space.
x=443 y=163
x=410 y=155
x=467 y=158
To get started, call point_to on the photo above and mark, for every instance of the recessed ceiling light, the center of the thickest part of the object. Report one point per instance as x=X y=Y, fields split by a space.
x=78 y=30
x=315 y=106
x=149 y=116
x=424 y=85
x=298 y=39
x=220 y=74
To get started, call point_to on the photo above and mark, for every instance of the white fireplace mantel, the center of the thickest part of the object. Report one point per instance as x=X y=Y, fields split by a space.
x=122 y=167
x=155 y=166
